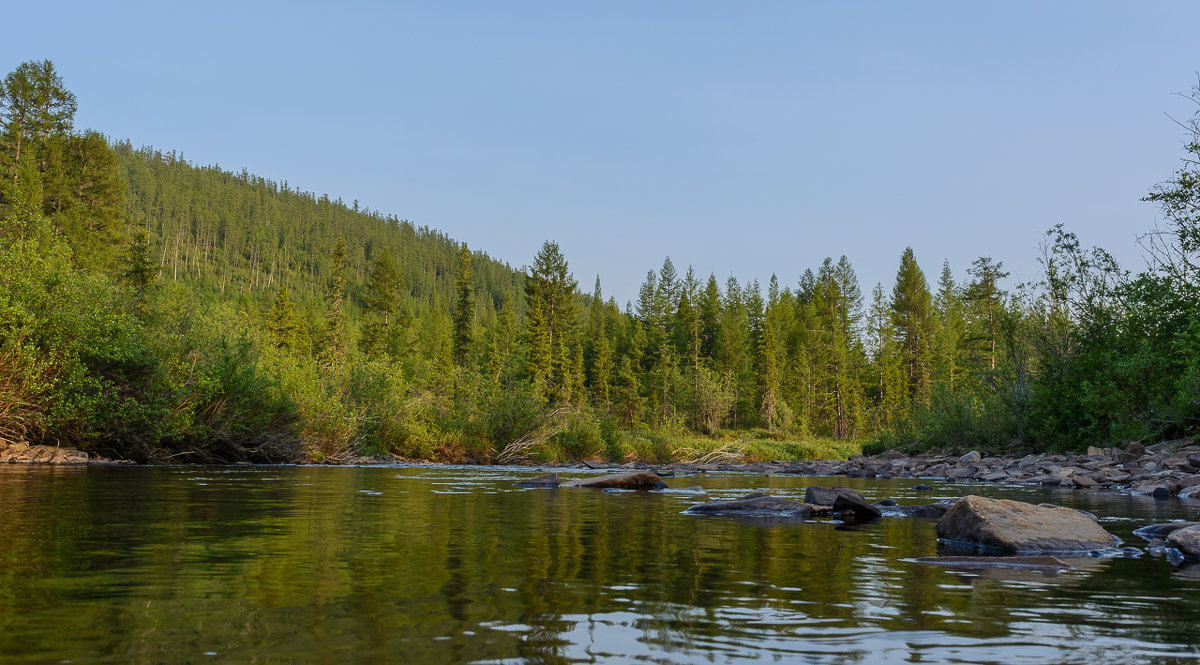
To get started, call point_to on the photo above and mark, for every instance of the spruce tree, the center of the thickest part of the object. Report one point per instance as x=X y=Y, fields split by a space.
x=911 y=319
x=602 y=370
x=464 y=310
x=281 y=320
x=949 y=331
x=710 y=317
x=986 y=301
x=34 y=105
x=550 y=319
x=140 y=268
x=334 y=349
x=384 y=298
x=889 y=384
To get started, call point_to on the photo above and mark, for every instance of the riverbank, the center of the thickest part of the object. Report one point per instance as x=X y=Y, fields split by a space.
x=1162 y=470
x=1165 y=469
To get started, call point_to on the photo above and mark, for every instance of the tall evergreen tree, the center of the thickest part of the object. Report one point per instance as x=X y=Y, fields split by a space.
x=550 y=321
x=334 y=348
x=911 y=318
x=986 y=302
x=281 y=320
x=140 y=268
x=889 y=385
x=464 y=310
x=948 y=331
x=602 y=371
x=34 y=105
x=384 y=300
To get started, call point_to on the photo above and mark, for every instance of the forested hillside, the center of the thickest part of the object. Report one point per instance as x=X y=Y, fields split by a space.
x=240 y=234
x=160 y=310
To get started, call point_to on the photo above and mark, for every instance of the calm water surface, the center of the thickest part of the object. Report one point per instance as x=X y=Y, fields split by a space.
x=440 y=565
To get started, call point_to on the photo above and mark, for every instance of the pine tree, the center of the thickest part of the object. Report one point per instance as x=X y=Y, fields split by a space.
x=464 y=311
x=334 y=349
x=550 y=319
x=34 y=105
x=384 y=298
x=578 y=384
x=889 y=384
x=835 y=303
x=501 y=351
x=986 y=302
x=911 y=319
x=628 y=392
x=281 y=320
x=710 y=317
x=602 y=370
x=772 y=409
x=541 y=360
x=140 y=268
x=949 y=331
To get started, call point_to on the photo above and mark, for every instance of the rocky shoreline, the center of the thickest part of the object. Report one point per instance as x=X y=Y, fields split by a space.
x=1162 y=470
x=1170 y=468
x=23 y=453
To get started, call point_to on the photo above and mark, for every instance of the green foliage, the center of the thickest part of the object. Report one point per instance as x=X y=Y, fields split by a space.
x=464 y=308
x=154 y=309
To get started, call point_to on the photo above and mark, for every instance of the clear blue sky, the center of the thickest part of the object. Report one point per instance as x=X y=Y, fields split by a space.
x=743 y=138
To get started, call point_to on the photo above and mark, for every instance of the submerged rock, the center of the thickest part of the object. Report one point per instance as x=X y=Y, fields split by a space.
x=1158 y=531
x=549 y=480
x=758 y=504
x=928 y=510
x=637 y=480
x=1001 y=526
x=1043 y=564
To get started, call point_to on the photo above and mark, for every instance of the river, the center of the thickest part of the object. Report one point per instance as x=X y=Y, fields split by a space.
x=379 y=564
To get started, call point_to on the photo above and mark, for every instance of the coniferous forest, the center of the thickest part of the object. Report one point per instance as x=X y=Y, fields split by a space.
x=159 y=310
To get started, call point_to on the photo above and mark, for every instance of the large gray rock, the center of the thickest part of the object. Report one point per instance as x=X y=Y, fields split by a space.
x=637 y=480
x=1187 y=541
x=825 y=496
x=1160 y=488
x=1004 y=527
x=758 y=504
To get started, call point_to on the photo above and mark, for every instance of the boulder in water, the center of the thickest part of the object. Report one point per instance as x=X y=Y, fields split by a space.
x=637 y=480
x=825 y=496
x=1187 y=541
x=855 y=508
x=758 y=504
x=1004 y=527
x=549 y=480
